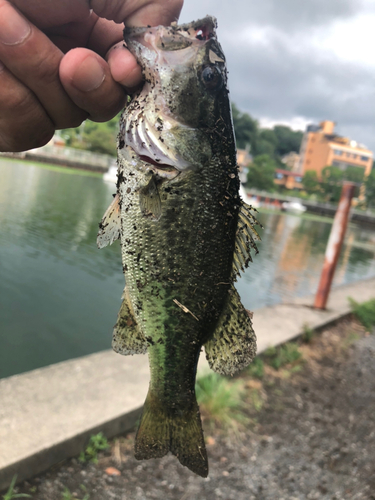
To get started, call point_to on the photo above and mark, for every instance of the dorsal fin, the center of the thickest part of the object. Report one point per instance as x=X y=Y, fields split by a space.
x=110 y=225
x=246 y=236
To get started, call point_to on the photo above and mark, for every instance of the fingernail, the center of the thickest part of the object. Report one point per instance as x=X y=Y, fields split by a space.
x=15 y=29
x=89 y=75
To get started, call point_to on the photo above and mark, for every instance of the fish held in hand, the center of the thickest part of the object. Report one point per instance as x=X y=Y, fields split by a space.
x=185 y=232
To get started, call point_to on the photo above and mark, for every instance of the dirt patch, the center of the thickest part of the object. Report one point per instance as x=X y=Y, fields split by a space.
x=312 y=436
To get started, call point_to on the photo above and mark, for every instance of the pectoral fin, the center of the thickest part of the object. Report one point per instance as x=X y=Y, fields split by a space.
x=149 y=200
x=233 y=344
x=110 y=225
x=127 y=337
x=246 y=236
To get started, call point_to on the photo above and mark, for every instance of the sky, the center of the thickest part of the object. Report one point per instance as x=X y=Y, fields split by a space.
x=297 y=62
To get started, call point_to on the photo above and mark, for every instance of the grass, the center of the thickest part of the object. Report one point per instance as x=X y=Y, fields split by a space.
x=307 y=334
x=97 y=443
x=286 y=354
x=55 y=168
x=67 y=495
x=350 y=340
x=10 y=494
x=220 y=399
x=364 y=312
x=256 y=369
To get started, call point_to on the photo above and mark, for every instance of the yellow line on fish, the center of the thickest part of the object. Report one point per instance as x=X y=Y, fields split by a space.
x=184 y=308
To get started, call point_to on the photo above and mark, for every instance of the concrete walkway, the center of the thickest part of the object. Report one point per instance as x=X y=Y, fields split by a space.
x=48 y=414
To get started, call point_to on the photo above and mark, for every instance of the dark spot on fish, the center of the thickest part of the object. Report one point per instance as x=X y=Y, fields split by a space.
x=128 y=190
x=150 y=341
x=120 y=179
x=160 y=341
x=121 y=143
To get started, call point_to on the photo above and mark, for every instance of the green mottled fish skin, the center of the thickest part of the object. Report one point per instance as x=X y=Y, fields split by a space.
x=181 y=248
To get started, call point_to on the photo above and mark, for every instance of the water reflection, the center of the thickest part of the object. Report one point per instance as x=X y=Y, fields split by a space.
x=292 y=255
x=59 y=295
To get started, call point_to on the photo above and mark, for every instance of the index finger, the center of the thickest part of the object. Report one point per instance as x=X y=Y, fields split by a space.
x=139 y=13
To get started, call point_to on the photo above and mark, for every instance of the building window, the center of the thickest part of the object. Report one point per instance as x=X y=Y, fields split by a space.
x=354 y=156
x=337 y=152
x=279 y=176
x=298 y=179
x=364 y=158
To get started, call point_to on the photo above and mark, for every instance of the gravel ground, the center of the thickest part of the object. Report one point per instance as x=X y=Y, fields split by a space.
x=312 y=438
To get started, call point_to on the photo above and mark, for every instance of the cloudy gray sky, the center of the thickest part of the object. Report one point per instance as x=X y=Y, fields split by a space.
x=299 y=61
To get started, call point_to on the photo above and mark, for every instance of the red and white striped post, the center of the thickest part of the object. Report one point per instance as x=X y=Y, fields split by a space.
x=334 y=245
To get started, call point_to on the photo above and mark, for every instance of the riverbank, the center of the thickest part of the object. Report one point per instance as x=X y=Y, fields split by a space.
x=307 y=432
x=47 y=415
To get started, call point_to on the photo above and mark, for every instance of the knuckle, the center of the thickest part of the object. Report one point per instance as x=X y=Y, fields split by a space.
x=47 y=69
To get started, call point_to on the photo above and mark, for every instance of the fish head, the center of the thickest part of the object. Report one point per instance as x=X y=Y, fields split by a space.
x=170 y=120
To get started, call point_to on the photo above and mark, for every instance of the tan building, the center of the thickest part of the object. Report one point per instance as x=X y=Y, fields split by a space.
x=321 y=147
x=291 y=160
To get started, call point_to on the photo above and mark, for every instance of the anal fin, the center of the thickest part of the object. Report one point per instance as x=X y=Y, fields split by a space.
x=127 y=337
x=233 y=344
x=110 y=225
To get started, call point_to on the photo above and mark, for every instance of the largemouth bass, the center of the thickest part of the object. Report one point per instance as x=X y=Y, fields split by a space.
x=185 y=232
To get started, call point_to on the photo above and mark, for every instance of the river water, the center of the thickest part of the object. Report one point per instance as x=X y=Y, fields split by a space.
x=59 y=295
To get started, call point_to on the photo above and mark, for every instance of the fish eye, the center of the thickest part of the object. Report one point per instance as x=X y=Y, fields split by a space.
x=212 y=78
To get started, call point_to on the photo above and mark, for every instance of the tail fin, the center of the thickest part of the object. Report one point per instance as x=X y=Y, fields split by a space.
x=161 y=431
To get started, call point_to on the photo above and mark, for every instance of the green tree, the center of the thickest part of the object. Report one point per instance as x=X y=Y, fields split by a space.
x=101 y=141
x=287 y=139
x=310 y=182
x=261 y=173
x=245 y=129
x=266 y=143
x=96 y=137
x=370 y=188
x=354 y=174
x=332 y=179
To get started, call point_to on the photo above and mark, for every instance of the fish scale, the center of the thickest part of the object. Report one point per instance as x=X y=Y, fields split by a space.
x=185 y=233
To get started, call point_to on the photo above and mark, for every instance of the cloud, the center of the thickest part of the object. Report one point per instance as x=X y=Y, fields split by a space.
x=299 y=62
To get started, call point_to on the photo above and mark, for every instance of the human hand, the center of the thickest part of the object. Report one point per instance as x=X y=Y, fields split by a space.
x=61 y=63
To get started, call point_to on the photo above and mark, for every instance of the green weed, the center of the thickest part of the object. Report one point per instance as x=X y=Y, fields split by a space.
x=67 y=495
x=307 y=333
x=9 y=495
x=256 y=369
x=365 y=312
x=219 y=398
x=256 y=399
x=278 y=357
x=97 y=443
x=350 y=340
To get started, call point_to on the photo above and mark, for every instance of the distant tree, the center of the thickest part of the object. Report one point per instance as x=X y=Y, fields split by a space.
x=266 y=143
x=245 y=129
x=310 y=182
x=97 y=137
x=354 y=174
x=287 y=139
x=332 y=179
x=370 y=188
x=261 y=173
x=101 y=141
